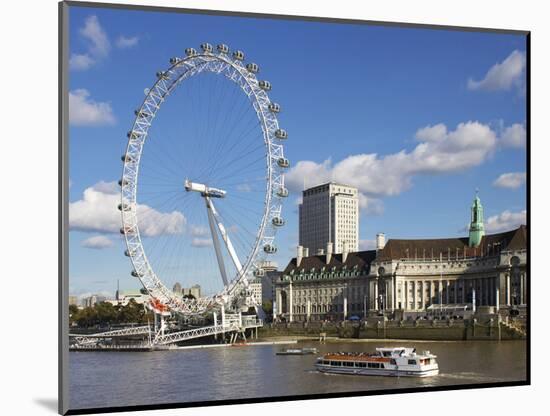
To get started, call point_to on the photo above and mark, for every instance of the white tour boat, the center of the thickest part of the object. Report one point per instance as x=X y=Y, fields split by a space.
x=398 y=361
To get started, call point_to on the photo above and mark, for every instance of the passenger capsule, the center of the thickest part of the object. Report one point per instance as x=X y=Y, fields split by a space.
x=223 y=48
x=274 y=107
x=136 y=274
x=265 y=85
x=133 y=135
x=259 y=272
x=122 y=182
x=278 y=221
x=282 y=192
x=142 y=114
x=238 y=55
x=124 y=207
x=127 y=158
x=252 y=67
x=190 y=52
x=175 y=60
x=162 y=75
x=126 y=253
x=269 y=249
x=283 y=162
x=281 y=134
x=125 y=230
x=206 y=47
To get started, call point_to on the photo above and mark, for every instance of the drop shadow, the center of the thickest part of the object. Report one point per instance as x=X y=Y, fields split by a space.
x=47 y=403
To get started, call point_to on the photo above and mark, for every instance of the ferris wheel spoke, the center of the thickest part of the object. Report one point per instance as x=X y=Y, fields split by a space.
x=217 y=157
x=235 y=171
x=241 y=113
x=240 y=226
x=219 y=149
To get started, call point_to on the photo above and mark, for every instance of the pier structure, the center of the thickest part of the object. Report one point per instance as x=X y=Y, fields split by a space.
x=153 y=337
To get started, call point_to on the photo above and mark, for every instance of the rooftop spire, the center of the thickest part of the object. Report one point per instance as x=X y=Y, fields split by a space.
x=477 y=230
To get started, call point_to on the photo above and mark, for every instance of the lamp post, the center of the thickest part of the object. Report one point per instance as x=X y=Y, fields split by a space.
x=515 y=298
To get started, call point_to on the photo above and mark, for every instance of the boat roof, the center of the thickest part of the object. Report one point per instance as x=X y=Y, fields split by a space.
x=395 y=349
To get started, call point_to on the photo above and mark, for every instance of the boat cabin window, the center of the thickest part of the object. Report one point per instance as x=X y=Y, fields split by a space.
x=374 y=365
x=361 y=364
x=386 y=353
x=348 y=363
x=336 y=363
x=412 y=362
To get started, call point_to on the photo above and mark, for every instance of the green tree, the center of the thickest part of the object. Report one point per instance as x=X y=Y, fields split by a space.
x=106 y=313
x=131 y=313
x=73 y=313
x=86 y=317
x=267 y=306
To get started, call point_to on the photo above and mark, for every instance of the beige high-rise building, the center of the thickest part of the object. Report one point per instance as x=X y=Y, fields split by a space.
x=329 y=213
x=194 y=291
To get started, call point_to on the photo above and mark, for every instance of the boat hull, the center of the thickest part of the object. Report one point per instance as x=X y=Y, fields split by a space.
x=387 y=372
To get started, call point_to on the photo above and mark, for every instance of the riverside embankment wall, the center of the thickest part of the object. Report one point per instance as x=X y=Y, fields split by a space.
x=417 y=330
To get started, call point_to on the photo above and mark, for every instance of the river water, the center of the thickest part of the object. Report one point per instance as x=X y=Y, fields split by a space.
x=106 y=379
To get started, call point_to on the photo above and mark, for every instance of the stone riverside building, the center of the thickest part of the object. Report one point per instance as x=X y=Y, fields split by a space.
x=408 y=276
x=411 y=275
x=328 y=286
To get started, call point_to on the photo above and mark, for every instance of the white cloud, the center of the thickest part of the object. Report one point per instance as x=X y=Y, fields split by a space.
x=80 y=62
x=110 y=188
x=155 y=223
x=97 y=212
x=127 y=41
x=503 y=75
x=84 y=111
x=369 y=205
x=97 y=242
x=199 y=231
x=94 y=33
x=511 y=180
x=244 y=187
x=440 y=151
x=367 y=244
x=514 y=136
x=505 y=221
x=98 y=45
x=201 y=242
x=104 y=293
x=432 y=133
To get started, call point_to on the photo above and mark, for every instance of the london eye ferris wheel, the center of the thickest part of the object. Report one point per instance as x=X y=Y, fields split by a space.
x=203 y=180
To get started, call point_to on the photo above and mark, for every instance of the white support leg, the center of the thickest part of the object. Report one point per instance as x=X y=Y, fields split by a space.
x=225 y=236
x=215 y=240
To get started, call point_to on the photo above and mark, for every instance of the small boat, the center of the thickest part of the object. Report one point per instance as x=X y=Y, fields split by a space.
x=297 y=351
x=397 y=361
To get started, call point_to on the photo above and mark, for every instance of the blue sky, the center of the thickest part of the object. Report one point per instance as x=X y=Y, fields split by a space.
x=417 y=119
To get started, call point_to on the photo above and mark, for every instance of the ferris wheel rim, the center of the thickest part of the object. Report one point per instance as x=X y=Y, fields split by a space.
x=193 y=65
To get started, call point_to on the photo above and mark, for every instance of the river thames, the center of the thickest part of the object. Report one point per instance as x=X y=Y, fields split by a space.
x=106 y=379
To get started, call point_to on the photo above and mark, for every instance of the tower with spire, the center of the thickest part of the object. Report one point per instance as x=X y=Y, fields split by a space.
x=477 y=230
